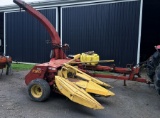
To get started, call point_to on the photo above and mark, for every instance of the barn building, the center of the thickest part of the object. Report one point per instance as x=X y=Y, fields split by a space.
x=112 y=28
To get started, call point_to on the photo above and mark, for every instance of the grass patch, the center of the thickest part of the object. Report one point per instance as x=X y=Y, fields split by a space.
x=20 y=67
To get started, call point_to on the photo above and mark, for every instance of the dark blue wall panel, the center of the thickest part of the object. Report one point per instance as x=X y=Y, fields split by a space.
x=1 y=25
x=1 y=32
x=26 y=36
x=111 y=30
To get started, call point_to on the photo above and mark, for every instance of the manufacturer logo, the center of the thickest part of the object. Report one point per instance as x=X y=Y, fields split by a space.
x=36 y=71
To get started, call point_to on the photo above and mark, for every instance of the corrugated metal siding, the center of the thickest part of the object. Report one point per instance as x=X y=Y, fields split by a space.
x=26 y=36
x=1 y=34
x=1 y=25
x=111 y=30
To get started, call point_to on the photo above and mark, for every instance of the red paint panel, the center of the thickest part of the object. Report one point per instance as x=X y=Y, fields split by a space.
x=36 y=72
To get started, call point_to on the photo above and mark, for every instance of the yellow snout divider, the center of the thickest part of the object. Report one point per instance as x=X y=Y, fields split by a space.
x=77 y=86
x=76 y=94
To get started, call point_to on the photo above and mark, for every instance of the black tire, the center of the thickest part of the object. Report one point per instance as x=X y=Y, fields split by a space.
x=157 y=79
x=8 y=69
x=152 y=64
x=38 y=90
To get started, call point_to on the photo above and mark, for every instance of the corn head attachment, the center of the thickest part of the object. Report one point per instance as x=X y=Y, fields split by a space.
x=77 y=86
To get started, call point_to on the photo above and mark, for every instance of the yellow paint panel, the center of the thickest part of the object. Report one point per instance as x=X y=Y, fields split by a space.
x=97 y=89
x=76 y=94
x=89 y=78
x=87 y=58
x=80 y=83
x=83 y=76
x=92 y=87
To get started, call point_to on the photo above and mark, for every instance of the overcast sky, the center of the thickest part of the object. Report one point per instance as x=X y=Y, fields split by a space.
x=10 y=2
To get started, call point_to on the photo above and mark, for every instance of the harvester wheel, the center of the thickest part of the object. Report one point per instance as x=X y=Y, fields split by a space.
x=38 y=90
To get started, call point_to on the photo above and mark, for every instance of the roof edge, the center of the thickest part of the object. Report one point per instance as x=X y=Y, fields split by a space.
x=58 y=3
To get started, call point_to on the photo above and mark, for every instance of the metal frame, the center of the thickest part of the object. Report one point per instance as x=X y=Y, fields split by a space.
x=98 y=2
x=63 y=3
x=110 y=2
x=4 y=33
x=140 y=29
x=61 y=26
x=37 y=8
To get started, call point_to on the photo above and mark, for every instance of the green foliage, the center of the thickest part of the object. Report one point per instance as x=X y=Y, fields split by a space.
x=20 y=67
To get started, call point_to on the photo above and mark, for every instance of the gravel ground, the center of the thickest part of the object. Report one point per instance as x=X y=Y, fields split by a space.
x=136 y=100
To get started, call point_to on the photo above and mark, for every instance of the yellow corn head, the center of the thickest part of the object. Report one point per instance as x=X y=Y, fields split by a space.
x=79 y=86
